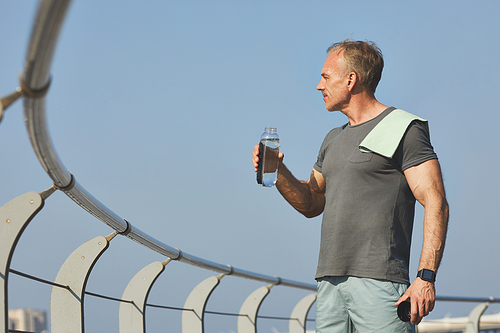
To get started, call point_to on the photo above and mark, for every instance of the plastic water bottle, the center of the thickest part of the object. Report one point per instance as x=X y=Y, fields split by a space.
x=269 y=147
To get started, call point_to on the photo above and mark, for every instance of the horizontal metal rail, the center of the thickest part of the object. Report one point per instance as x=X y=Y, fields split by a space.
x=468 y=299
x=48 y=23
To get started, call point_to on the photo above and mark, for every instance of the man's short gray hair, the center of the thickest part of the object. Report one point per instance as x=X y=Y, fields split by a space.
x=363 y=58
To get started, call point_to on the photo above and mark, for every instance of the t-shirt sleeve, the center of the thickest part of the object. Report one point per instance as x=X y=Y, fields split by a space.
x=415 y=146
x=318 y=166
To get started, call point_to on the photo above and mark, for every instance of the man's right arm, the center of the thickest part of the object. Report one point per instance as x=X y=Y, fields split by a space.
x=308 y=198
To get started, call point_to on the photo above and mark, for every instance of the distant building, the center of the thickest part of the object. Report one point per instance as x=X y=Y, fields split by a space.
x=29 y=320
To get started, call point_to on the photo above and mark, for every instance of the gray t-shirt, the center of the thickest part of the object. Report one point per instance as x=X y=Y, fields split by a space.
x=368 y=217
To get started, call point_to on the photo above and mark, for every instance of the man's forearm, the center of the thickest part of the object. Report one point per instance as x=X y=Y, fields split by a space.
x=306 y=197
x=435 y=229
x=426 y=182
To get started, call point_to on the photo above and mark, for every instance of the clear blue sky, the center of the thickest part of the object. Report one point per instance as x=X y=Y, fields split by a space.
x=155 y=107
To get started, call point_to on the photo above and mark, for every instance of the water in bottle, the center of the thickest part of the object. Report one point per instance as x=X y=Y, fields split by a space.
x=269 y=146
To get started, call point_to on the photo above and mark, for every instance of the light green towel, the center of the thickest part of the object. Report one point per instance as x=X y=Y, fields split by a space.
x=384 y=138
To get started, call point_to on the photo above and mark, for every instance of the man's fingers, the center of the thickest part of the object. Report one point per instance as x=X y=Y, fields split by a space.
x=416 y=317
x=402 y=299
x=416 y=312
x=419 y=310
x=256 y=163
x=255 y=157
x=429 y=307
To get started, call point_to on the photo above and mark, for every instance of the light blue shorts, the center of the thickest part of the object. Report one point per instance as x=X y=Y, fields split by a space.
x=351 y=304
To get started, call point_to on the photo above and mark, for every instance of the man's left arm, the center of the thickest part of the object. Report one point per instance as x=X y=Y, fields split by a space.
x=426 y=183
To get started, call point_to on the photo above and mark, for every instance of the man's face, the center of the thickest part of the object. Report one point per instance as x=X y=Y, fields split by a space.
x=334 y=83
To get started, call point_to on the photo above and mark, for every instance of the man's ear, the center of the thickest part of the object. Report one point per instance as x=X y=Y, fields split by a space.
x=352 y=80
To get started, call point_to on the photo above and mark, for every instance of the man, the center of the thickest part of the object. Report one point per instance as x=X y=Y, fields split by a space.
x=368 y=199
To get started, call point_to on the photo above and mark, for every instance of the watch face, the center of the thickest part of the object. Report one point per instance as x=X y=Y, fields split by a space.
x=427 y=275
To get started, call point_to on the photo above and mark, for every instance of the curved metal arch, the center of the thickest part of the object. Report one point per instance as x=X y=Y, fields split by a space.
x=297 y=323
x=66 y=305
x=132 y=315
x=45 y=32
x=475 y=317
x=14 y=218
x=193 y=321
x=247 y=321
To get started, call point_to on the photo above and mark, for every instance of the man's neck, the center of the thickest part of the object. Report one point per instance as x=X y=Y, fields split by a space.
x=362 y=109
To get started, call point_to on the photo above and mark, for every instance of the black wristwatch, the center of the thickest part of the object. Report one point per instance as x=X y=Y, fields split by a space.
x=427 y=275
